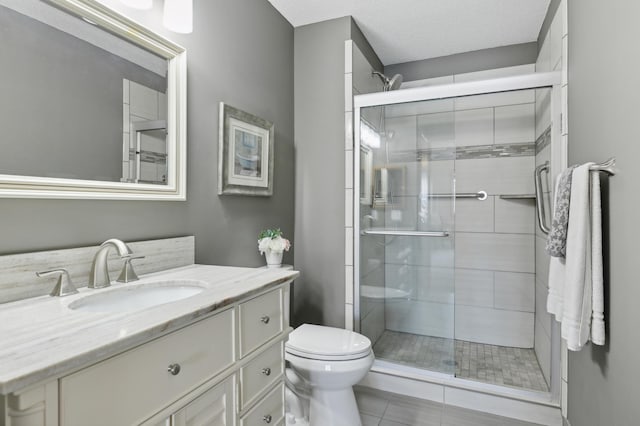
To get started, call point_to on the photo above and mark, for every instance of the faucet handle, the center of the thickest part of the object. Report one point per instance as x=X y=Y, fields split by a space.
x=64 y=286
x=128 y=274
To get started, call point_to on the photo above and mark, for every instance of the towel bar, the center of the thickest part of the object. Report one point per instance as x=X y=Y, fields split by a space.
x=608 y=167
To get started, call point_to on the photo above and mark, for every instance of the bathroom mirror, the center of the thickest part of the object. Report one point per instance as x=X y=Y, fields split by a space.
x=93 y=105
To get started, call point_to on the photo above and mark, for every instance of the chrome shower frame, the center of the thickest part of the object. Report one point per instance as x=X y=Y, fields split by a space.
x=551 y=80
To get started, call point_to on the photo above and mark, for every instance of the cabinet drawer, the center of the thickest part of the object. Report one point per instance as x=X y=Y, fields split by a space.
x=128 y=388
x=270 y=411
x=260 y=373
x=260 y=320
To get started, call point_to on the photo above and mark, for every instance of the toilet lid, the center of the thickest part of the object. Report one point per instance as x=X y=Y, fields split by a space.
x=327 y=343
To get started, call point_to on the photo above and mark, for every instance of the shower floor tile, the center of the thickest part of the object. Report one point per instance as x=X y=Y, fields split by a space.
x=501 y=365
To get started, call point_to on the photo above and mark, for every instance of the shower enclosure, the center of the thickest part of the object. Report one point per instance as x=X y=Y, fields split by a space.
x=445 y=233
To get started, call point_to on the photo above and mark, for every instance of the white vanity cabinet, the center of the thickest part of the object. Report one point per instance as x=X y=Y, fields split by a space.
x=128 y=388
x=222 y=370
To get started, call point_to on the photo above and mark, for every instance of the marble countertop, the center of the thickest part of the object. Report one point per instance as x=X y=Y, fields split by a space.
x=42 y=339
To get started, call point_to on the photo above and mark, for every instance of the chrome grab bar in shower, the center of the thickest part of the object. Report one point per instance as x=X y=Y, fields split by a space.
x=405 y=233
x=480 y=195
x=537 y=176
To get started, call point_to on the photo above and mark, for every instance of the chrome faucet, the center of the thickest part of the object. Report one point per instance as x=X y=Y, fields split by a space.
x=99 y=276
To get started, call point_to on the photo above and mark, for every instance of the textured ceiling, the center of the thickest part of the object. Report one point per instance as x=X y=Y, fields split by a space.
x=409 y=30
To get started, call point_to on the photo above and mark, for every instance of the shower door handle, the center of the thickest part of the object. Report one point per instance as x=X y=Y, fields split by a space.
x=405 y=233
x=480 y=195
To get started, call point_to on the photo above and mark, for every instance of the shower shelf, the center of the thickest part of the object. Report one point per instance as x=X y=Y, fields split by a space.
x=518 y=197
x=374 y=292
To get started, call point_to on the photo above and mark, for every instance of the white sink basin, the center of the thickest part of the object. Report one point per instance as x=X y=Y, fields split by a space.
x=138 y=297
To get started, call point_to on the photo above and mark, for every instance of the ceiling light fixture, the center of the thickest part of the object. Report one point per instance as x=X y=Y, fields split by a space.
x=178 y=16
x=138 y=4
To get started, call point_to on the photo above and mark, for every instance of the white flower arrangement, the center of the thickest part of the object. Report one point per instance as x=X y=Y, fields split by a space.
x=272 y=240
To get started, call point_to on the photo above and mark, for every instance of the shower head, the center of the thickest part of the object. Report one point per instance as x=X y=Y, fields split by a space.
x=395 y=82
x=389 y=83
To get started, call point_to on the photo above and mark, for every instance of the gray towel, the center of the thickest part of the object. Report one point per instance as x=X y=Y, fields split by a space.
x=557 y=238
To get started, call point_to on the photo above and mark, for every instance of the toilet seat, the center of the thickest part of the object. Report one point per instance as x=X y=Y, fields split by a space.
x=327 y=343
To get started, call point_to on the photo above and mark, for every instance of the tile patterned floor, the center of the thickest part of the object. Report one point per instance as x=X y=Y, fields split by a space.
x=386 y=409
x=475 y=361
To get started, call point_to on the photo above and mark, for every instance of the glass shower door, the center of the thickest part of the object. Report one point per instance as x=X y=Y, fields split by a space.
x=407 y=203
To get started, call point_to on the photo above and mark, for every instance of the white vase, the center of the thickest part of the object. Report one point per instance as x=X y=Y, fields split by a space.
x=274 y=258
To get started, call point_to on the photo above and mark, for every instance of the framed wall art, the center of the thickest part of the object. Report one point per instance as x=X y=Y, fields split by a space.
x=245 y=153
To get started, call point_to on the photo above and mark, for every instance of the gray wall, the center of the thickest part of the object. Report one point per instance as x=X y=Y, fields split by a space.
x=50 y=77
x=604 y=85
x=363 y=44
x=320 y=178
x=478 y=60
x=546 y=24
x=241 y=52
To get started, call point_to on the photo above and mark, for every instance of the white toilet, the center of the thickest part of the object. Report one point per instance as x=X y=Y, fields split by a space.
x=329 y=361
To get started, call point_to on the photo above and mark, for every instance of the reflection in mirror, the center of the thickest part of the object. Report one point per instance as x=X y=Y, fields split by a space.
x=366 y=165
x=388 y=184
x=144 y=134
x=87 y=102
x=63 y=98
x=147 y=161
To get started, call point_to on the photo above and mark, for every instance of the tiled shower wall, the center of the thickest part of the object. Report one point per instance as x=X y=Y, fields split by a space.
x=359 y=80
x=551 y=58
x=490 y=255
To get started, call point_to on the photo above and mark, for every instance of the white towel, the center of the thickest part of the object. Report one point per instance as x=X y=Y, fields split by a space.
x=581 y=288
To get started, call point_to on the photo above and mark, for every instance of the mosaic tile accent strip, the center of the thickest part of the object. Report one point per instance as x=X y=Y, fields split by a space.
x=495 y=151
x=466 y=152
x=499 y=365
x=437 y=154
x=153 y=157
x=149 y=156
x=544 y=140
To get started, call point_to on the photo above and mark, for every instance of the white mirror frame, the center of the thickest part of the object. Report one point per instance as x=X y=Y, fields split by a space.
x=15 y=186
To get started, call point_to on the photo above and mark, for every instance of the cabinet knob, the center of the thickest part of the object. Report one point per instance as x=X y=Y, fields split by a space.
x=266 y=371
x=267 y=418
x=174 y=369
x=265 y=319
